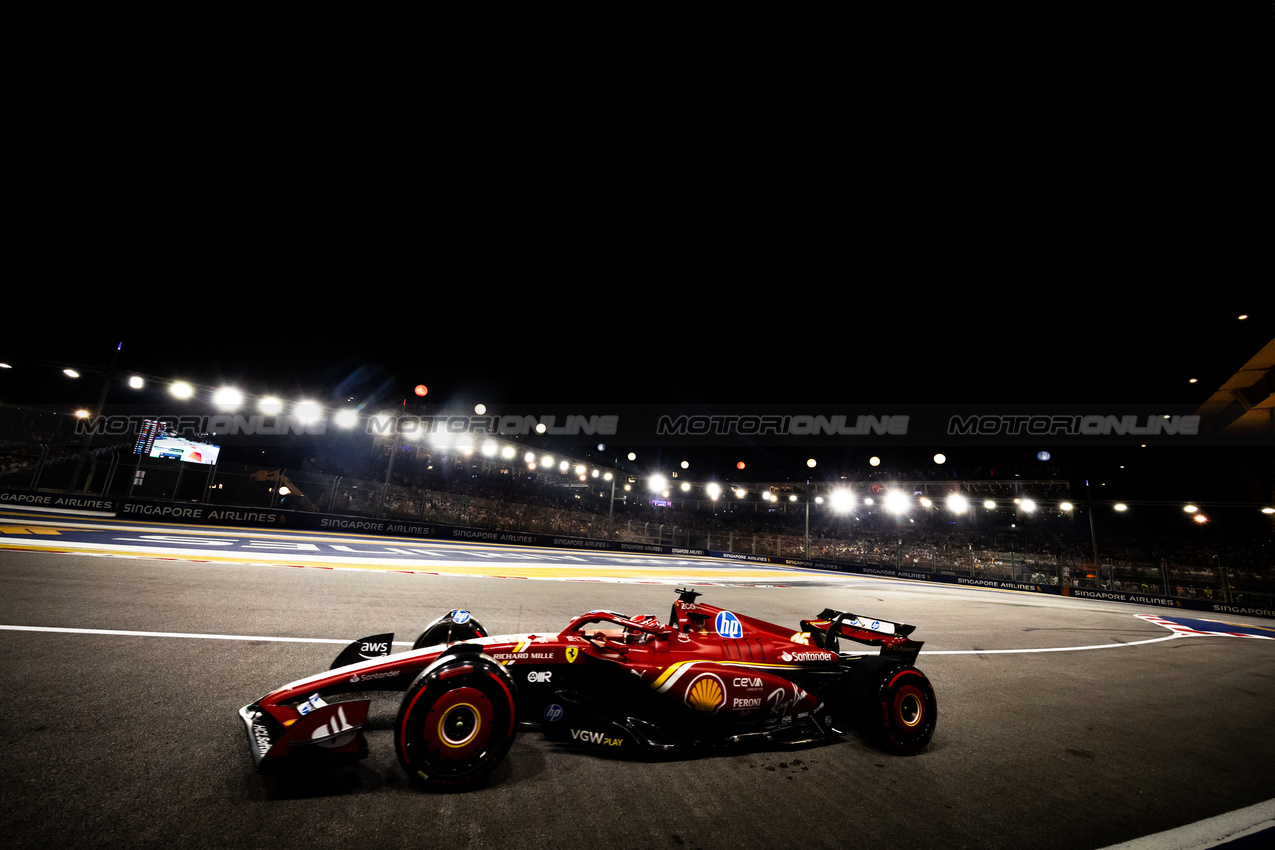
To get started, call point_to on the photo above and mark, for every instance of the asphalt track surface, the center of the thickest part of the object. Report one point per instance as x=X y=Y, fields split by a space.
x=126 y=650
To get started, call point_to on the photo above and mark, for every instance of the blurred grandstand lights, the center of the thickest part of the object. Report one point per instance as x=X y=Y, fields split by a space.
x=602 y=447
x=508 y=452
x=580 y=470
x=1067 y=506
x=1190 y=509
x=347 y=418
x=607 y=477
x=489 y=448
x=714 y=490
x=842 y=501
x=1028 y=505
x=228 y=398
x=1122 y=508
x=1200 y=518
x=874 y=461
x=792 y=498
x=529 y=457
x=181 y=389
x=136 y=382
x=70 y=373
x=686 y=486
x=896 y=503
x=1268 y=510
x=657 y=482
x=811 y=463
x=926 y=503
x=686 y=465
x=307 y=412
x=480 y=409
x=740 y=492
x=563 y=467
x=541 y=428
x=81 y=414
x=270 y=405
x=632 y=456
x=989 y=504
x=956 y=503
x=940 y=458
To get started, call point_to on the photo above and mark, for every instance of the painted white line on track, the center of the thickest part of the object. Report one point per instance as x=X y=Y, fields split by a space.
x=928 y=653
x=119 y=633
x=1214 y=832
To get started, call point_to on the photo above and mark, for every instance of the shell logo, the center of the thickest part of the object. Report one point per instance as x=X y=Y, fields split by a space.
x=706 y=693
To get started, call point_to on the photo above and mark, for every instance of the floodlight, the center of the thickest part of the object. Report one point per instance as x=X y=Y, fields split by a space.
x=896 y=502
x=228 y=398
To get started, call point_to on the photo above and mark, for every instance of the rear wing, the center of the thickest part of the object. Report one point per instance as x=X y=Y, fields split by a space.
x=827 y=630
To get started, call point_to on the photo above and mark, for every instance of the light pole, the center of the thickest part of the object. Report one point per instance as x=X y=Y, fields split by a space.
x=1093 y=536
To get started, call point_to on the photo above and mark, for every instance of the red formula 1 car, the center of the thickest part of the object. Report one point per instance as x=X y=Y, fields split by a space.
x=624 y=685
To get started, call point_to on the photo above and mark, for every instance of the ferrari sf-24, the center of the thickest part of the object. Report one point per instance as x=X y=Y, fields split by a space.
x=625 y=685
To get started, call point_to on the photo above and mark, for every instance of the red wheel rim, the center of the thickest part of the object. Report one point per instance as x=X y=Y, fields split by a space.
x=908 y=707
x=458 y=725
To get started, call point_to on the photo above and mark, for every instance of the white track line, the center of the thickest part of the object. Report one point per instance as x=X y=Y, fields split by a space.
x=1214 y=832
x=119 y=633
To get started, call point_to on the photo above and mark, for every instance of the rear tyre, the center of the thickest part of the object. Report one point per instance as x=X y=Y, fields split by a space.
x=897 y=710
x=456 y=722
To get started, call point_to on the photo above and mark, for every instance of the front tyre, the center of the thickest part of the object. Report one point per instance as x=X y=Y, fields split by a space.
x=456 y=722
x=897 y=707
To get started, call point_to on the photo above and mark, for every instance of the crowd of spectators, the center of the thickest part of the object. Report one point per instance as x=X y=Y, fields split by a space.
x=1049 y=547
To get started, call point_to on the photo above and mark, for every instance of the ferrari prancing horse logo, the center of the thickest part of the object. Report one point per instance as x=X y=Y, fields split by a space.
x=572 y=652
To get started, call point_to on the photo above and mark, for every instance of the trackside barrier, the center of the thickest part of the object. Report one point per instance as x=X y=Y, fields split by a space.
x=202 y=514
